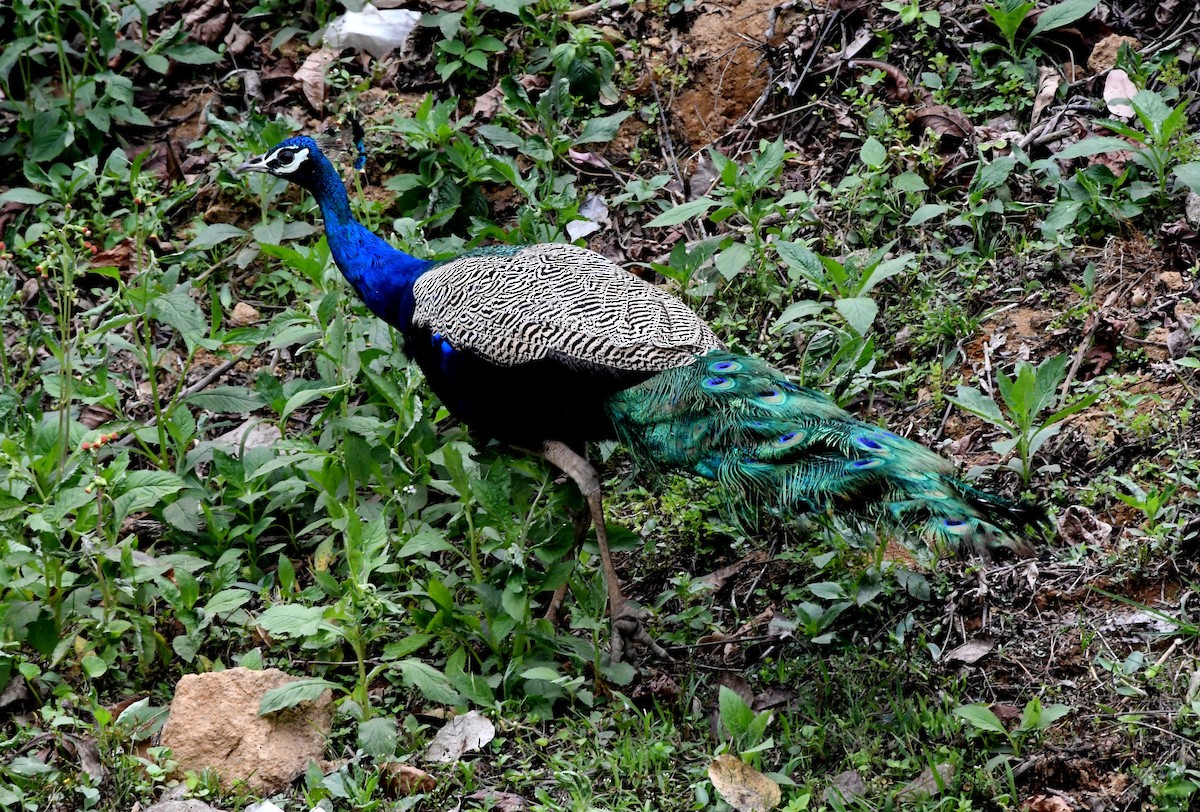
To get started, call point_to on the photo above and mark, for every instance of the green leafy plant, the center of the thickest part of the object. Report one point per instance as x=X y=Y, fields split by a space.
x=1020 y=413
x=68 y=100
x=1035 y=720
x=1163 y=148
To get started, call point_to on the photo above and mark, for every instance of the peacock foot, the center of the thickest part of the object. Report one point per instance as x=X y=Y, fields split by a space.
x=628 y=630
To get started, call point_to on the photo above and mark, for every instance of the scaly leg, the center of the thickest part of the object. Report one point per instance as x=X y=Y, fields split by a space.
x=626 y=616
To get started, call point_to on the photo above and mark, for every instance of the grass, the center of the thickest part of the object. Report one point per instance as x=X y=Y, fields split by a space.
x=161 y=319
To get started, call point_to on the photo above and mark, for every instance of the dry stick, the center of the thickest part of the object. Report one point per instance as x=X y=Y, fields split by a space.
x=1084 y=345
x=203 y=383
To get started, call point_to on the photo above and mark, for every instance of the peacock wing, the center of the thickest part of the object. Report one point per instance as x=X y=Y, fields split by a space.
x=560 y=301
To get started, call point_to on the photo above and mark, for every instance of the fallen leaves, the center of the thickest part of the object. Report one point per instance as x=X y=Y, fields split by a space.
x=460 y=735
x=311 y=77
x=741 y=786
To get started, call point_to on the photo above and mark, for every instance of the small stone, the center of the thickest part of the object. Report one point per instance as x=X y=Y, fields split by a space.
x=243 y=315
x=1173 y=281
x=1104 y=54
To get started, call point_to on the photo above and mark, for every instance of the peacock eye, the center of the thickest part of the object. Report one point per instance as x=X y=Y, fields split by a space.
x=286 y=155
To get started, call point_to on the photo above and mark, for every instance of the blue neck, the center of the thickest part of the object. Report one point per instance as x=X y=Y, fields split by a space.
x=382 y=276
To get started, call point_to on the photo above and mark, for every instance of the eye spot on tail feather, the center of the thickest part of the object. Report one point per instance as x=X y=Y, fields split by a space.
x=717 y=383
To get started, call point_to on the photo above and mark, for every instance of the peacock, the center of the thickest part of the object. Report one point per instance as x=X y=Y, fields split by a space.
x=549 y=347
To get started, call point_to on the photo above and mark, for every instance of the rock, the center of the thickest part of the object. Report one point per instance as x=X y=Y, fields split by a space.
x=243 y=314
x=214 y=724
x=1173 y=281
x=1104 y=55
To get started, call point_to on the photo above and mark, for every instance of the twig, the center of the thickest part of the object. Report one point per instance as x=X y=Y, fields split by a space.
x=199 y=385
x=1084 y=345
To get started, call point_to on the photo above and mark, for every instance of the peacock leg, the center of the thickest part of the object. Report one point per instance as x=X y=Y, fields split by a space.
x=626 y=616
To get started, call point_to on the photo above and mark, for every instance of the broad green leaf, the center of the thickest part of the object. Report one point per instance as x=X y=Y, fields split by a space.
x=602 y=129
x=377 y=737
x=1061 y=14
x=542 y=672
x=144 y=489
x=1052 y=713
x=23 y=194
x=796 y=311
x=1152 y=111
x=801 y=258
x=909 y=182
x=93 y=666
x=292 y=694
x=227 y=600
x=736 y=714
x=994 y=173
x=192 y=53
x=508 y=6
x=292 y=620
x=858 y=311
x=873 y=153
x=1189 y=175
x=432 y=683
x=980 y=717
x=1093 y=146
x=179 y=310
x=730 y=262
x=425 y=542
x=227 y=400
x=972 y=400
x=208 y=236
x=682 y=213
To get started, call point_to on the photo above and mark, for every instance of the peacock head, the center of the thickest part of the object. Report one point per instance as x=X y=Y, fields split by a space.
x=298 y=159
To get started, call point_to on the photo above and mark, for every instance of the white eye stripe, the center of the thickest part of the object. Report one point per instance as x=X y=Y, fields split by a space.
x=299 y=156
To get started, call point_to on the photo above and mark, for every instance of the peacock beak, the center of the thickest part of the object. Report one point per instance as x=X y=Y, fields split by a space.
x=256 y=164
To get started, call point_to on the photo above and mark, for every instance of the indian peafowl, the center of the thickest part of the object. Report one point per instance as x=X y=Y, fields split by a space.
x=547 y=347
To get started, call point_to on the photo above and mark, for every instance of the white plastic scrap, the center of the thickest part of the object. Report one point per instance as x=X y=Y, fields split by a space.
x=371 y=30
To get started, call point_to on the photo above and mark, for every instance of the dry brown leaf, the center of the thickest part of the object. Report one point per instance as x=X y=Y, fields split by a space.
x=741 y=786
x=500 y=801
x=461 y=734
x=845 y=787
x=311 y=77
x=947 y=122
x=971 y=651
x=488 y=104
x=926 y=785
x=253 y=433
x=208 y=22
x=1118 y=90
x=1047 y=803
x=717 y=578
x=93 y=415
x=1079 y=525
x=899 y=84
x=404 y=779
x=1049 y=80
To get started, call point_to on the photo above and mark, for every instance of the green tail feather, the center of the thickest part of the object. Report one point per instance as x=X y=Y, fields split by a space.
x=774 y=445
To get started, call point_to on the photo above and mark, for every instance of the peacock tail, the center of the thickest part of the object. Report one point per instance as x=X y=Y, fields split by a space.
x=789 y=449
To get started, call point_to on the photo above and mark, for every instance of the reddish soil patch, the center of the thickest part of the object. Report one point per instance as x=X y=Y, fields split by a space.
x=728 y=74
